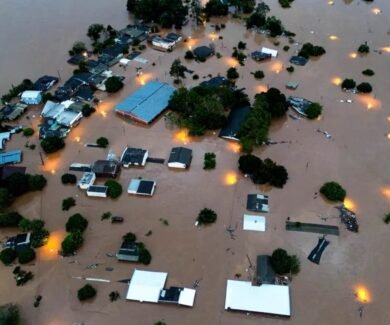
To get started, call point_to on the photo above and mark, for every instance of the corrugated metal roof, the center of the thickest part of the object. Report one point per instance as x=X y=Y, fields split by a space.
x=147 y=102
x=11 y=157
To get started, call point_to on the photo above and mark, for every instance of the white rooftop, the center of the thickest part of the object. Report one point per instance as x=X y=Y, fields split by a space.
x=267 y=298
x=31 y=94
x=145 y=286
x=187 y=297
x=274 y=53
x=256 y=223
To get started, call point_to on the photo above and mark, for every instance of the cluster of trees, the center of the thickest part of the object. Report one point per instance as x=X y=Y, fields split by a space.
x=9 y=315
x=209 y=160
x=144 y=255
x=113 y=84
x=39 y=234
x=285 y=3
x=52 y=144
x=178 y=70
x=102 y=37
x=203 y=108
x=232 y=73
x=75 y=225
x=309 y=50
x=239 y=55
x=363 y=87
x=259 y=19
x=263 y=171
x=216 y=8
x=87 y=110
x=18 y=184
x=10 y=219
x=26 y=84
x=206 y=216
x=68 y=179
x=277 y=102
x=283 y=263
x=114 y=188
x=164 y=12
x=333 y=191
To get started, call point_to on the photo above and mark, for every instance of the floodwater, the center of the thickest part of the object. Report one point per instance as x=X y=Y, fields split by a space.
x=37 y=36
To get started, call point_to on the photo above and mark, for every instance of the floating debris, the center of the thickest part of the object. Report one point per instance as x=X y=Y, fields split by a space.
x=348 y=217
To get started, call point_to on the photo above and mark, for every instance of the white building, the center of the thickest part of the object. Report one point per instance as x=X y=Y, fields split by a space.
x=69 y=118
x=87 y=180
x=97 y=191
x=52 y=109
x=266 y=298
x=255 y=223
x=274 y=53
x=141 y=187
x=31 y=97
x=180 y=157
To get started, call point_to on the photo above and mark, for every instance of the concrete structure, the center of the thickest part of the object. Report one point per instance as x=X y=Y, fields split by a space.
x=134 y=157
x=87 y=180
x=10 y=157
x=255 y=223
x=97 y=191
x=180 y=157
x=141 y=187
x=31 y=97
x=267 y=298
x=237 y=116
x=147 y=102
x=147 y=286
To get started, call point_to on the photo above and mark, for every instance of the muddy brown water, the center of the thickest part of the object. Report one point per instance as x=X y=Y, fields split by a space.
x=36 y=36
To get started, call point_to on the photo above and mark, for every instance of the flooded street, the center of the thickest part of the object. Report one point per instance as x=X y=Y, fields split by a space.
x=36 y=37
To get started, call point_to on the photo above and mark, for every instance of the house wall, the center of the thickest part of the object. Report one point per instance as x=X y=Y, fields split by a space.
x=177 y=165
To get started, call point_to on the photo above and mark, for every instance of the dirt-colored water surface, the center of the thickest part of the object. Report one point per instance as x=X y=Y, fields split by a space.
x=35 y=38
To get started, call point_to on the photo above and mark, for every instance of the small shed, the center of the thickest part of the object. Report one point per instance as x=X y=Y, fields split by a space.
x=134 y=157
x=203 y=52
x=266 y=50
x=255 y=223
x=128 y=252
x=87 y=180
x=257 y=202
x=106 y=168
x=141 y=187
x=97 y=191
x=180 y=157
x=31 y=97
x=265 y=274
x=10 y=157
x=19 y=241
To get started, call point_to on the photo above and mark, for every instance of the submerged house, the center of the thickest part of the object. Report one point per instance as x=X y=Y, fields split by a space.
x=215 y=82
x=87 y=180
x=299 y=104
x=97 y=191
x=134 y=157
x=236 y=117
x=106 y=168
x=11 y=112
x=203 y=52
x=180 y=157
x=128 y=252
x=31 y=97
x=10 y=157
x=143 y=187
x=260 y=56
x=19 y=242
x=257 y=202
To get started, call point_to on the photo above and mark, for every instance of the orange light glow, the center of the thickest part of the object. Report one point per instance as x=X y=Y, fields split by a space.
x=319 y=118
x=191 y=42
x=77 y=139
x=331 y=3
x=52 y=164
x=362 y=294
x=50 y=250
x=350 y=204
x=261 y=89
x=386 y=192
x=353 y=55
x=370 y=102
x=277 y=67
x=376 y=11
x=386 y=49
x=231 y=62
x=337 y=81
x=230 y=178
x=213 y=36
x=234 y=146
x=388 y=118
x=388 y=135
x=103 y=113
x=333 y=37
x=144 y=78
x=182 y=136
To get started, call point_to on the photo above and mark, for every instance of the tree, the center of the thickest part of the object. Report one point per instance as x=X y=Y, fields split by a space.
x=259 y=74
x=348 y=84
x=364 y=48
x=313 y=111
x=76 y=222
x=6 y=198
x=114 y=188
x=280 y=261
x=17 y=184
x=278 y=176
x=28 y=132
x=364 y=87
x=216 y=8
x=290 y=69
x=160 y=322
x=177 y=70
x=386 y=218
x=232 y=73
x=36 y=182
x=144 y=256
x=368 y=72
x=189 y=55
x=207 y=216
x=24 y=225
x=10 y=219
x=114 y=296
x=277 y=102
x=68 y=179
x=7 y=256
x=77 y=48
x=68 y=203
x=295 y=264
x=129 y=237
x=9 y=315
x=309 y=50
x=274 y=26
x=102 y=142
x=94 y=31
x=87 y=110
x=72 y=242
x=333 y=191
x=86 y=292
x=285 y=3
x=258 y=18
x=209 y=160
x=249 y=164
x=52 y=144
x=26 y=255
x=113 y=84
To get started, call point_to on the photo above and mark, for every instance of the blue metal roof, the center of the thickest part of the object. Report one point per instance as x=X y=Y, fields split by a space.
x=147 y=102
x=11 y=157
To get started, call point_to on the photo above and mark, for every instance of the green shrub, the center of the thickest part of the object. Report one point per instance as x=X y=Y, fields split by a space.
x=114 y=296
x=76 y=222
x=290 y=69
x=209 y=160
x=9 y=315
x=129 y=237
x=71 y=243
x=86 y=292
x=102 y=142
x=144 y=256
x=52 y=144
x=258 y=74
x=285 y=3
x=232 y=73
x=113 y=84
x=114 y=188
x=106 y=215
x=368 y=72
x=10 y=219
x=364 y=87
x=87 y=110
x=207 y=216
x=333 y=191
x=286 y=48
x=313 y=111
x=68 y=203
x=26 y=255
x=28 y=132
x=7 y=256
x=386 y=218
x=348 y=84
x=189 y=55
x=364 y=48
x=68 y=179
